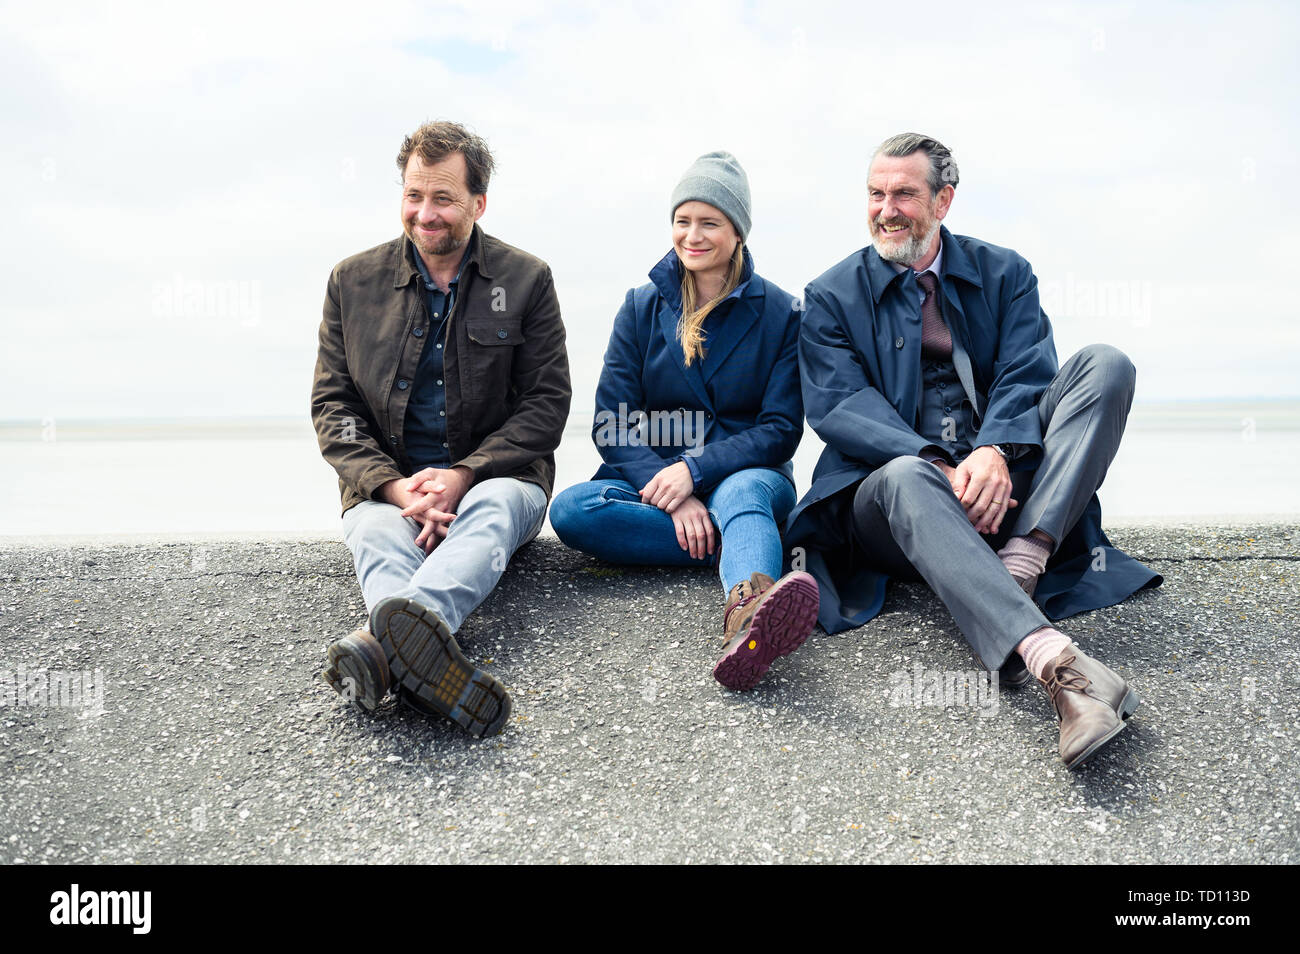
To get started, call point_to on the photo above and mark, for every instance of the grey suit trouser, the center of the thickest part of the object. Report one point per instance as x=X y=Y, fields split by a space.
x=910 y=525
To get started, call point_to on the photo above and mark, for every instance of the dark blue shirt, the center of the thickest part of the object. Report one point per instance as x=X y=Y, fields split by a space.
x=426 y=413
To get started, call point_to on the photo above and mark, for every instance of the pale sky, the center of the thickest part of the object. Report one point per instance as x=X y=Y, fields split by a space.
x=1141 y=156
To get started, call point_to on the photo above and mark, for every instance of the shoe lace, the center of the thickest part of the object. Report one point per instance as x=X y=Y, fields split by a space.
x=747 y=596
x=1066 y=677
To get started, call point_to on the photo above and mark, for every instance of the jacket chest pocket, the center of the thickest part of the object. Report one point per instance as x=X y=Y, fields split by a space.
x=492 y=343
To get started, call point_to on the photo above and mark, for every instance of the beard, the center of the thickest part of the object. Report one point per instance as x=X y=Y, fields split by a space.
x=910 y=249
x=452 y=238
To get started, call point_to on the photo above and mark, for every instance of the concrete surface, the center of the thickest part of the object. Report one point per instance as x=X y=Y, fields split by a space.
x=217 y=742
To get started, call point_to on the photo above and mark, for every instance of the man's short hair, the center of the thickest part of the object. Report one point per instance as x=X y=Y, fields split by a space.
x=943 y=167
x=436 y=141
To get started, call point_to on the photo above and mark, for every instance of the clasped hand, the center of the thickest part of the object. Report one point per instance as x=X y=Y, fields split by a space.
x=982 y=484
x=670 y=491
x=431 y=497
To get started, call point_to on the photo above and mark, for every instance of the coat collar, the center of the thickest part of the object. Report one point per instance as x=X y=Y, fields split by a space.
x=723 y=336
x=406 y=269
x=666 y=276
x=956 y=264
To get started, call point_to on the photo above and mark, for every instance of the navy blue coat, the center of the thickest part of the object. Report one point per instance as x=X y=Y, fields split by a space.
x=741 y=402
x=860 y=360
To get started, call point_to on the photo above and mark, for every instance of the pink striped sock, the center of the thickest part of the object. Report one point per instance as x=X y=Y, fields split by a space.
x=1041 y=647
x=1025 y=557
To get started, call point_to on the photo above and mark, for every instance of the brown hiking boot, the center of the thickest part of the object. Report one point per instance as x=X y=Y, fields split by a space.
x=763 y=620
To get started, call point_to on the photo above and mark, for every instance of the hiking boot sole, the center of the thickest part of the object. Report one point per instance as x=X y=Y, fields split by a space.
x=781 y=624
x=434 y=675
x=358 y=670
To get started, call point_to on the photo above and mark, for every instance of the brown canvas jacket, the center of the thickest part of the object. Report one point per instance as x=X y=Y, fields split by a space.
x=506 y=366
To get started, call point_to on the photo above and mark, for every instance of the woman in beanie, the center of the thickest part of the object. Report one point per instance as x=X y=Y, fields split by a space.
x=698 y=413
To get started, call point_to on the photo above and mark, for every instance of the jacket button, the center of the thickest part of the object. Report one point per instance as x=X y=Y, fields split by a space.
x=501 y=333
x=418 y=332
x=708 y=415
x=898 y=342
x=392 y=439
x=401 y=385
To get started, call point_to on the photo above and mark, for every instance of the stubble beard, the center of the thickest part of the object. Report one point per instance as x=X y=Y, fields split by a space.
x=443 y=246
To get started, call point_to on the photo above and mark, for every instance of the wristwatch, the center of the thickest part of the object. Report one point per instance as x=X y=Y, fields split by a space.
x=1006 y=450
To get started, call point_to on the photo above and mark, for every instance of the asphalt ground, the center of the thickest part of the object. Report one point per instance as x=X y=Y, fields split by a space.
x=215 y=740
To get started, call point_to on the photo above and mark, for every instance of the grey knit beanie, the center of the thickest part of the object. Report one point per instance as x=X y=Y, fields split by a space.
x=716 y=178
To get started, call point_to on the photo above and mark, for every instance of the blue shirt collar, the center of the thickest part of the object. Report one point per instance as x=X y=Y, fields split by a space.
x=424 y=272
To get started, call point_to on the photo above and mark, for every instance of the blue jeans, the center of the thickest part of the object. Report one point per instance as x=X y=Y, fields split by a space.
x=495 y=518
x=607 y=519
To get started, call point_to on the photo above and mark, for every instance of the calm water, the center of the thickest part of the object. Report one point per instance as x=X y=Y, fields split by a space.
x=253 y=476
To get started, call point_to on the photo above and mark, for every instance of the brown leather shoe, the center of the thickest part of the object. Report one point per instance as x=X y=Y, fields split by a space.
x=1088 y=718
x=763 y=620
x=358 y=670
x=1013 y=673
x=1107 y=684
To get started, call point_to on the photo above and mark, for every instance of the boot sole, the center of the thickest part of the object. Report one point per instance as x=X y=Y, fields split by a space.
x=1129 y=705
x=780 y=626
x=1092 y=750
x=358 y=672
x=433 y=673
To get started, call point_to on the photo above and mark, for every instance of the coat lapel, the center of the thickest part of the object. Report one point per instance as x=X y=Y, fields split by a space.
x=895 y=371
x=957 y=266
x=956 y=319
x=666 y=279
x=736 y=321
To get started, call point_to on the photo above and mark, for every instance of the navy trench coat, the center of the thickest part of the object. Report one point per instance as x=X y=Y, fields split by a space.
x=740 y=405
x=860 y=361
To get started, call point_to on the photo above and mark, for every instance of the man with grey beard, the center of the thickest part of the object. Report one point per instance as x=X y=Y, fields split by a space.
x=957 y=451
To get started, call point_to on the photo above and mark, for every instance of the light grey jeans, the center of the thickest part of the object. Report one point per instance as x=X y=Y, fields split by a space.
x=495 y=518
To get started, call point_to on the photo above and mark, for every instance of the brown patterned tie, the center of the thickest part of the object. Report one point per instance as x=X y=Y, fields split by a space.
x=936 y=341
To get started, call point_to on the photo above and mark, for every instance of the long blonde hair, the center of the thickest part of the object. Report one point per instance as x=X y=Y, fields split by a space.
x=690 y=327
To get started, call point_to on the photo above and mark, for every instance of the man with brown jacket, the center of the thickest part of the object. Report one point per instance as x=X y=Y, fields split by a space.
x=441 y=391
